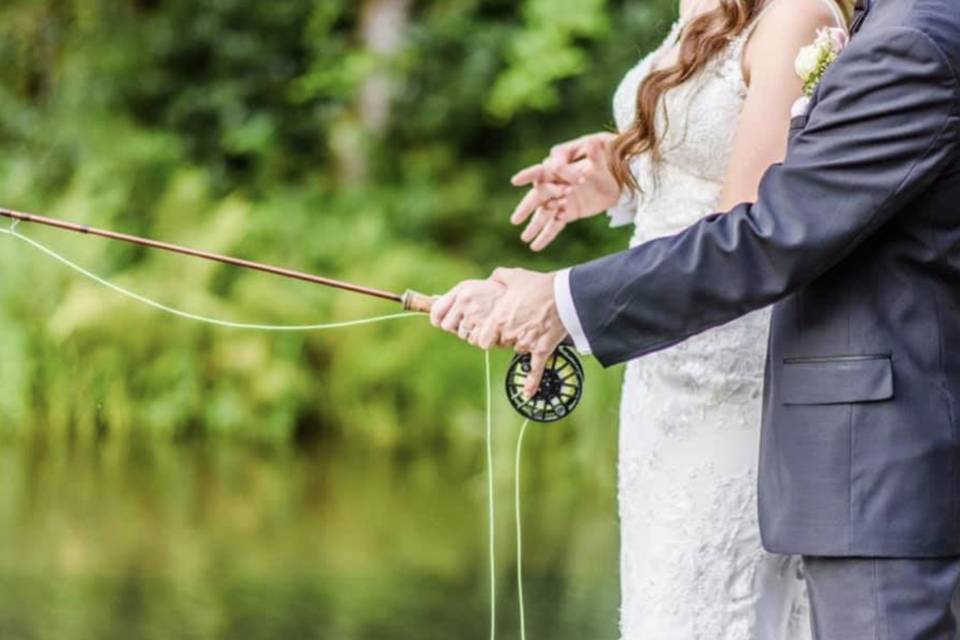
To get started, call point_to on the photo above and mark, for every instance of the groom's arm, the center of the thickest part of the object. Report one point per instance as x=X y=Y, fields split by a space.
x=884 y=128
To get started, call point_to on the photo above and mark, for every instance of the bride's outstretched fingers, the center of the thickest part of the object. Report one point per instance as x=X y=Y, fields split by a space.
x=549 y=233
x=560 y=156
x=530 y=175
x=581 y=190
x=540 y=221
x=538 y=196
x=570 y=152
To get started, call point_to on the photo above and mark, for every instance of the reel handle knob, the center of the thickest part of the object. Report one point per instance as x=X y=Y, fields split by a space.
x=560 y=390
x=417 y=302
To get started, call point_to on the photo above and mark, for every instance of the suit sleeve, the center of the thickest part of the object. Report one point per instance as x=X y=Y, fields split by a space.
x=884 y=128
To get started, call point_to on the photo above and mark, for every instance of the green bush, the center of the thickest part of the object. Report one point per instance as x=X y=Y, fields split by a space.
x=235 y=127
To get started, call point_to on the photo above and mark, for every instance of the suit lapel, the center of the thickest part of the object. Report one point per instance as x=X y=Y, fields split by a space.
x=861 y=9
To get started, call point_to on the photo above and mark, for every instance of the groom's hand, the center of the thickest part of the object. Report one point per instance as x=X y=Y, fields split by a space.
x=525 y=318
x=463 y=308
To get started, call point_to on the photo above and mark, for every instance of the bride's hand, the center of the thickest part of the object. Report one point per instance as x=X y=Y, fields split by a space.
x=575 y=182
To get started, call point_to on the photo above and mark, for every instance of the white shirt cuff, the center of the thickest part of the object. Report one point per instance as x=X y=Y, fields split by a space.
x=568 y=312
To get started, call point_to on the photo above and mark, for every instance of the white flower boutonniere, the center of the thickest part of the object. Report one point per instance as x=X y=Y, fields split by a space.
x=814 y=60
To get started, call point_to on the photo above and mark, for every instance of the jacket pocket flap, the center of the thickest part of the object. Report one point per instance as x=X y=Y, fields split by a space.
x=837 y=380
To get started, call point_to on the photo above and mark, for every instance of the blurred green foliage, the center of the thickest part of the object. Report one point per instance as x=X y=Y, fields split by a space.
x=291 y=132
x=235 y=126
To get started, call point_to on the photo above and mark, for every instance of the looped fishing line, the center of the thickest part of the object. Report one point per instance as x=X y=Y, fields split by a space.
x=338 y=325
x=187 y=315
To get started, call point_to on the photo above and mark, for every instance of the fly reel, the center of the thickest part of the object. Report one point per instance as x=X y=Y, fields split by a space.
x=560 y=390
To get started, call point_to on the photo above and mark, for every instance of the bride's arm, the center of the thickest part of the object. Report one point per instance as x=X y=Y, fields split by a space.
x=774 y=87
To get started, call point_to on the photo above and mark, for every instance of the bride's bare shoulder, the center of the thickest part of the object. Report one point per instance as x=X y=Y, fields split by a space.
x=787 y=26
x=798 y=19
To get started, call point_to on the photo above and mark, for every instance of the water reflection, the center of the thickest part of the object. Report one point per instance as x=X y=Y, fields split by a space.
x=341 y=542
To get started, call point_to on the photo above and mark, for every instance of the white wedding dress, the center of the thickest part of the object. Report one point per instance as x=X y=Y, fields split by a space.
x=692 y=567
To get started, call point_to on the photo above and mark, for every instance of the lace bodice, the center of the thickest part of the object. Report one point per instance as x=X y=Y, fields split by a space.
x=711 y=104
x=697 y=122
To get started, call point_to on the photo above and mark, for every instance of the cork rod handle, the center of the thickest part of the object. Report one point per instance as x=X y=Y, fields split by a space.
x=418 y=302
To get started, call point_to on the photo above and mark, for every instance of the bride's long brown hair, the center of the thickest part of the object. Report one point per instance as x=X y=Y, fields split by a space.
x=704 y=38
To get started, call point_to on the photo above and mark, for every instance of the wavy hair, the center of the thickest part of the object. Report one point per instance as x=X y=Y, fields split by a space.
x=703 y=39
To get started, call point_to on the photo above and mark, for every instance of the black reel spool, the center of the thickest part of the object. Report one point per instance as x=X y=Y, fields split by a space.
x=560 y=390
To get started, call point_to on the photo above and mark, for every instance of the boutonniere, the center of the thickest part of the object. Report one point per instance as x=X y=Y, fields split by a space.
x=814 y=60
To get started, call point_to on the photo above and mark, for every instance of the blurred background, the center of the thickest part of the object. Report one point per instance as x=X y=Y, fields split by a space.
x=163 y=479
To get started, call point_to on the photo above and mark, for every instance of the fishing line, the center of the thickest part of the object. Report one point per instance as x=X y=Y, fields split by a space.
x=490 y=497
x=491 y=510
x=523 y=617
x=192 y=316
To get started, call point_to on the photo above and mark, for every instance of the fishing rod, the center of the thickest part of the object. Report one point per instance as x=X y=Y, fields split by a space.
x=560 y=390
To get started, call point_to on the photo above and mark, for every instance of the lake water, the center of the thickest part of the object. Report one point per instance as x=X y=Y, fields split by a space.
x=335 y=541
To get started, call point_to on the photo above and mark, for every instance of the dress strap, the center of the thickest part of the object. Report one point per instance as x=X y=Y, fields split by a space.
x=838 y=14
x=739 y=42
x=748 y=31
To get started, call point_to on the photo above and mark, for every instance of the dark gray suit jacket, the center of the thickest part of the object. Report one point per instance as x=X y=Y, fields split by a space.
x=855 y=240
